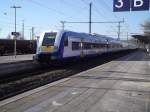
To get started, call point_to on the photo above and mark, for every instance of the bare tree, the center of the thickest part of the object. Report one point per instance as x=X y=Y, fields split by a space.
x=146 y=27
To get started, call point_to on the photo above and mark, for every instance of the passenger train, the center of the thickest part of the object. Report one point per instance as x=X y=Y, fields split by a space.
x=64 y=45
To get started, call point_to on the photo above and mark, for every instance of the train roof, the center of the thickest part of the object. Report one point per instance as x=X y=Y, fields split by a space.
x=83 y=35
x=95 y=37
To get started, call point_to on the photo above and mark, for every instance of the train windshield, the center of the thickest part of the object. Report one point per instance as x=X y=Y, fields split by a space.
x=49 y=39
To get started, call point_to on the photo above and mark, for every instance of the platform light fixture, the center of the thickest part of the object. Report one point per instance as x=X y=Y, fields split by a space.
x=15 y=33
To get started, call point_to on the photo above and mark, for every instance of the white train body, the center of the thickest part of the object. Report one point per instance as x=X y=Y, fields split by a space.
x=62 y=45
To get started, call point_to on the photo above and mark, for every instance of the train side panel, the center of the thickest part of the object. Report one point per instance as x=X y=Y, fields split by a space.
x=70 y=44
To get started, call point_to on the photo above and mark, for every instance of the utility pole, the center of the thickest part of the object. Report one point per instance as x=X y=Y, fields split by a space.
x=22 y=29
x=15 y=35
x=119 y=27
x=32 y=33
x=119 y=30
x=90 y=17
x=63 y=24
x=128 y=39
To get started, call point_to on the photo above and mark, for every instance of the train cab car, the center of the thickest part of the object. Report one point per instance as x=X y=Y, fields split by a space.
x=63 y=45
x=46 y=49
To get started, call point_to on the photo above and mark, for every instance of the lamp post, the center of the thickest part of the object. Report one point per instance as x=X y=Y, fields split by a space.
x=15 y=33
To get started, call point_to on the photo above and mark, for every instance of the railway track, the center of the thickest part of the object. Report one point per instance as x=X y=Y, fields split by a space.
x=27 y=79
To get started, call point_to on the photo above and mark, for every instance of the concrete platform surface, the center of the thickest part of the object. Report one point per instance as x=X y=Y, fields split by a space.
x=122 y=85
x=12 y=59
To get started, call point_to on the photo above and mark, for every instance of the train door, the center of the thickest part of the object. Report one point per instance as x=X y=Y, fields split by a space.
x=72 y=47
x=82 y=48
x=66 y=45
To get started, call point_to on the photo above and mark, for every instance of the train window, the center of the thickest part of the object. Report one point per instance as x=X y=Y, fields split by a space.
x=49 y=39
x=76 y=46
x=91 y=45
x=66 y=41
x=86 y=46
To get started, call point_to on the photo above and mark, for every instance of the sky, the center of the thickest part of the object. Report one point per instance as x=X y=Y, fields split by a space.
x=47 y=14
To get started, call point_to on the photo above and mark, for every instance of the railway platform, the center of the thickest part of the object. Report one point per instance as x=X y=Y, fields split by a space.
x=122 y=85
x=13 y=59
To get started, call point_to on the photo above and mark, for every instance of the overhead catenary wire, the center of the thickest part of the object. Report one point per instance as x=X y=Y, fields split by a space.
x=27 y=26
x=73 y=5
x=110 y=9
x=119 y=22
x=95 y=9
x=50 y=9
x=107 y=7
x=76 y=9
x=36 y=2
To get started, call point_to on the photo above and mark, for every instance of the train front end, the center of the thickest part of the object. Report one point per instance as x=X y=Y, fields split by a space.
x=47 y=50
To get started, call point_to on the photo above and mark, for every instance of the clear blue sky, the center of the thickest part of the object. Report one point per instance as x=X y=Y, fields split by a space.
x=47 y=14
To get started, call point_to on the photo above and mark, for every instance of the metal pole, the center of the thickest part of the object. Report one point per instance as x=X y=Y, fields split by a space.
x=128 y=39
x=119 y=30
x=15 y=36
x=23 y=29
x=90 y=17
x=119 y=26
x=32 y=33
x=15 y=19
x=15 y=45
x=63 y=24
